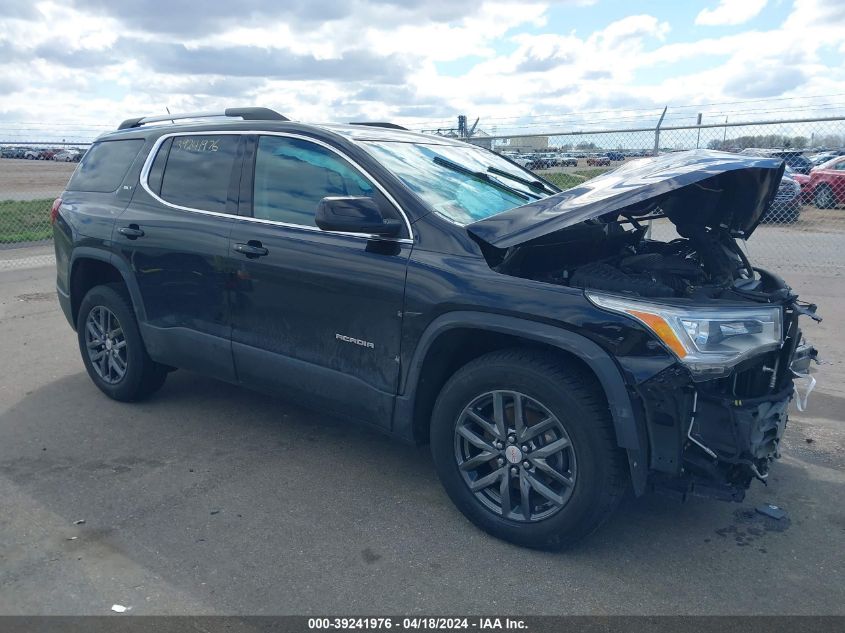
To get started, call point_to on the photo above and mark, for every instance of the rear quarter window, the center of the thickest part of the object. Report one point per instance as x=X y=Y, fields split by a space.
x=104 y=165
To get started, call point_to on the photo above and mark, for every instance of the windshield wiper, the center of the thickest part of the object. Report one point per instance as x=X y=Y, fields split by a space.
x=480 y=175
x=534 y=184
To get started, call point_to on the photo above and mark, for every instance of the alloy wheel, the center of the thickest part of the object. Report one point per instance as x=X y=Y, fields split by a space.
x=106 y=345
x=515 y=456
x=824 y=198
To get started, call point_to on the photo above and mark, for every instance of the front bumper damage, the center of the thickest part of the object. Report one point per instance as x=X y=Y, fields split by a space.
x=713 y=438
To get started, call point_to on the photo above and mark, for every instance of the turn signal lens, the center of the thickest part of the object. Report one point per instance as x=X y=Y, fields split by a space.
x=663 y=330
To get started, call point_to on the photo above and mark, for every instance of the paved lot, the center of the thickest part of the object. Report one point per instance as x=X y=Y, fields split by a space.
x=211 y=499
x=30 y=179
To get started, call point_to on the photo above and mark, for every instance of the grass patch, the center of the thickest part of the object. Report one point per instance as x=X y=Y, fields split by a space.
x=564 y=181
x=567 y=180
x=25 y=220
x=591 y=173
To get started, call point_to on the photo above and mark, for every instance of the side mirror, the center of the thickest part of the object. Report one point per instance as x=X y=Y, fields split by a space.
x=354 y=214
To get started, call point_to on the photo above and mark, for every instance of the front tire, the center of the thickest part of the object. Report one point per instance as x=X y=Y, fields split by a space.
x=111 y=346
x=523 y=443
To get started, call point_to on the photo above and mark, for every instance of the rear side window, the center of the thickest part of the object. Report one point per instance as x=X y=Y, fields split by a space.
x=198 y=170
x=104 y=166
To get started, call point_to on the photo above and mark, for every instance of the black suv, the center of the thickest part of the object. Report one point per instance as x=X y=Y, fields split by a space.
x=550 y=351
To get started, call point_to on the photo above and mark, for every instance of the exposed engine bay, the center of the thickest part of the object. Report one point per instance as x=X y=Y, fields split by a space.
x=702 y=264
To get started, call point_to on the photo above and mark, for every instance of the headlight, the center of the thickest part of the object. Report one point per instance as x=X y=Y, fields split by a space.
x=708 y=340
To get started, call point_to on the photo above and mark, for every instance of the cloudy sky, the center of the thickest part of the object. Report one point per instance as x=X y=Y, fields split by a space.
x=87 y=64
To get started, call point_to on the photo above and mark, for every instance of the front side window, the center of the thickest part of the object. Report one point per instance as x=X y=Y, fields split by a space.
x=104 y=166
x=197 y=170
x=292 y=175
x=460 y=182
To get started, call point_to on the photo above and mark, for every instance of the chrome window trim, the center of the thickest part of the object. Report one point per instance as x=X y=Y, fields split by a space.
x=148 y=163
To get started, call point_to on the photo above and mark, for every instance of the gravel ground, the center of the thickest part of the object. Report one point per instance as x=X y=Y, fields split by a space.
x=32 y=179
x=211 y=499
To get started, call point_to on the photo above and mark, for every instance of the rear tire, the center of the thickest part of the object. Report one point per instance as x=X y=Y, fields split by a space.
x=823 y=197
x=573 y=407
x=111 y=346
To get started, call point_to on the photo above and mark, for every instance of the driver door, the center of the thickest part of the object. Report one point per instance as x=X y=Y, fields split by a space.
x=316 y=315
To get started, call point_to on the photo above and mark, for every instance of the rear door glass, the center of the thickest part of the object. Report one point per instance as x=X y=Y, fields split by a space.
x=104 y=166
x=198 y=171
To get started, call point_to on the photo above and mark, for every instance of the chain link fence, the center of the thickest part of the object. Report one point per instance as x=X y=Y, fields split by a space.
x=31 y=176
x=804 y=228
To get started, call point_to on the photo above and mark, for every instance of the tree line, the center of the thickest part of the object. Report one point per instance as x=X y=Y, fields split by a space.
x=768 y=141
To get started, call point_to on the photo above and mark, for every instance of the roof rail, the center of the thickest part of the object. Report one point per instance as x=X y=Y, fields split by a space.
x=247 y=114
x=392 y=126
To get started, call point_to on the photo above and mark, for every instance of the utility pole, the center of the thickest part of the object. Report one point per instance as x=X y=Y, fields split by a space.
x=725 y=135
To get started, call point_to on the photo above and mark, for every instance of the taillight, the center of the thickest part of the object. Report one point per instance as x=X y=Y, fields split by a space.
x=54 y=210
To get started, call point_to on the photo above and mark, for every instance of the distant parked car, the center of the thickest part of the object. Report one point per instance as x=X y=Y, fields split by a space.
x=565 y=160
x=32 y=154
x=794 y=158
x=826 y=185
x=66 y=156
x=598 y=161
x=801 y=179
x=785 y=207
x=616 y=156
x=818 y=159
x=549 y=159
x=540 y=161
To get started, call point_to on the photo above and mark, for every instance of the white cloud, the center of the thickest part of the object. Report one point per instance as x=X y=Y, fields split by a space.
x=391 y=60
x=730 y=12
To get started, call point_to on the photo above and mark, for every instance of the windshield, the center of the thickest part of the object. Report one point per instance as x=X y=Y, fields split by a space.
x=462 y=183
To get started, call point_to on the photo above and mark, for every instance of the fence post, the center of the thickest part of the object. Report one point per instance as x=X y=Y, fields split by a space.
x=655 y=152
x=698 y=136
x=657 y=133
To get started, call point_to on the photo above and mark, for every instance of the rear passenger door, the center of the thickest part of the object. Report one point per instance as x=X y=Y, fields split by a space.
x=315 y=314
x=175 y=237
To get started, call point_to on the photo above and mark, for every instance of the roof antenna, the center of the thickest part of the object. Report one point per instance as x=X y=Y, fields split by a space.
x=168 y=112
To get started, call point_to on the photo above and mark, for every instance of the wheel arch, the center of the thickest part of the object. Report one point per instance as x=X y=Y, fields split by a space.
x=438 y=356
x=91 y=267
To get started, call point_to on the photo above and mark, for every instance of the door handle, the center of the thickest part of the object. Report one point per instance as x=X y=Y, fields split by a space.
x=251 y=249
x=133 y=231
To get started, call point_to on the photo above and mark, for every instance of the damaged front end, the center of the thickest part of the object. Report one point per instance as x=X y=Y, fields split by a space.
x=715 y=413
x=713 y=436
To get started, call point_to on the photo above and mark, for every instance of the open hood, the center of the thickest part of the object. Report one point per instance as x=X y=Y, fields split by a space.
x=698 y=187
